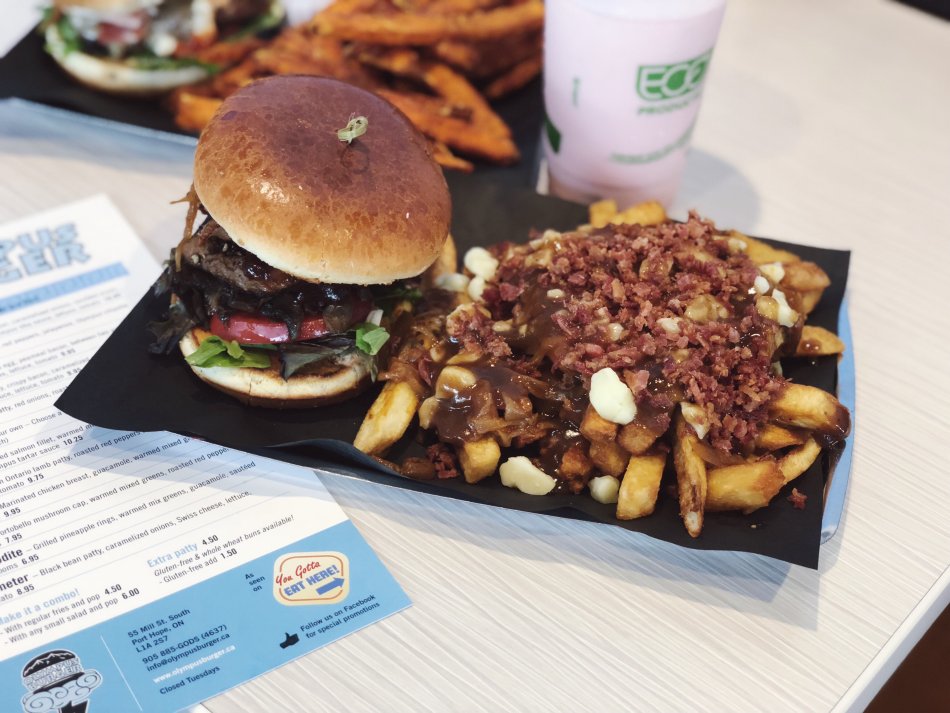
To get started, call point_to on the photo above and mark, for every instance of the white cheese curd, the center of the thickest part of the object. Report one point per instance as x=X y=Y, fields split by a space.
x=761 y=285
x=670 y=325
x=521 y=473
x=453 y=282
x=614 y=331
x=611 y=398
x=475 y=287
x=555 y=294
x=604 y=489
x=737 y=246
x=786 y=315
x=774 y=271
x=480 y=263
x=696 y=417
x=163 y=44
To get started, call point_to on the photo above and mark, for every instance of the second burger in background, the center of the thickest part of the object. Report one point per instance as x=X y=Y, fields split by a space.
x=151 y=46
x=321 y=198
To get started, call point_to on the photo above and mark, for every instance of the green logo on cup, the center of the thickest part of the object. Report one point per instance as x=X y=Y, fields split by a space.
x=671 y=81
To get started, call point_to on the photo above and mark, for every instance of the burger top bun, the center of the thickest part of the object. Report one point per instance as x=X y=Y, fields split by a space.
x=271 y=170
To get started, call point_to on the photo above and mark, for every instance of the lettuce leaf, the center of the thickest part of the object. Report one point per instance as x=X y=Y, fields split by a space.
x=295 y=357
x=370 y=338
x=152 y=61
x=215 y=351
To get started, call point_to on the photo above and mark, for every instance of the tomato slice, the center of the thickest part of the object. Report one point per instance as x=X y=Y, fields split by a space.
x=247 y=328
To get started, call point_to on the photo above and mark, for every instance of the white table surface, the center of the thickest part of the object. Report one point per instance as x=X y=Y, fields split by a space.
x=823 y=123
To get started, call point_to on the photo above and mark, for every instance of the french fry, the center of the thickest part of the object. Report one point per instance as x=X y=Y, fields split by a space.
x=773 y=437
x=596 y=428
x=804 y=276
x=412 y=29
x=387 y=419
x=818 y=341
x=640 y=486
x=809 y=300
x=575 y=463
x=746 y=487
x=808 y=407
x=609 y=458
x=601 y=212
x=761 y=252
x=690 y=478
x=193 y=111
x=798 y=460
x=648 y=213
x=636 y=438
x=479 y=459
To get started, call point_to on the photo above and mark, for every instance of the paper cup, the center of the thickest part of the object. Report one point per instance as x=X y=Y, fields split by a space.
x=623 y=82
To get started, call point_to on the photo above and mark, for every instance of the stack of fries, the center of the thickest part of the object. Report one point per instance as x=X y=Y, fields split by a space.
x=439 y=61
x=622 y=464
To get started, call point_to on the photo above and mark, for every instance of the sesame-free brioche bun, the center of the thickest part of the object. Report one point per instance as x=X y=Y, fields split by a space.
x=272 y=172
x=336 y=381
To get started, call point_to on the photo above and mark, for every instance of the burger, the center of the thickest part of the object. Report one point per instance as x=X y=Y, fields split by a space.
x=313 y=237
x=149 y=46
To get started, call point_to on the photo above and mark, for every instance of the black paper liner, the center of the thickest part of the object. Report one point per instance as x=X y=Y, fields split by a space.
x=124 y=387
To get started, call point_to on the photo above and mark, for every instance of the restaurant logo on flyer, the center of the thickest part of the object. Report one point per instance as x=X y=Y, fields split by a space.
x=55 y=681
x=311 y=578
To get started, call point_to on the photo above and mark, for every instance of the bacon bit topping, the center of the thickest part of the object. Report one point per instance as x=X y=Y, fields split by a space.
x=644 y=278
x=444 y=460
x=797 y=499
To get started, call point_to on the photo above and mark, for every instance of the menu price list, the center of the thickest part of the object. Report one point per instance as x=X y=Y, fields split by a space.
x=128 y=561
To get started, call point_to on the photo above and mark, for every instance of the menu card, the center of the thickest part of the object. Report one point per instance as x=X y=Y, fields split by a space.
x=143 y=571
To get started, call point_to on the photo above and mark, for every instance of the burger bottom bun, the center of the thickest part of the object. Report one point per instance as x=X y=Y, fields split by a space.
x=347 y=377
x=116 y=76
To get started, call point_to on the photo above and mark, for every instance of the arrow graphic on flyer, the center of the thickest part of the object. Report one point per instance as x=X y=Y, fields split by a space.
x=332 y=584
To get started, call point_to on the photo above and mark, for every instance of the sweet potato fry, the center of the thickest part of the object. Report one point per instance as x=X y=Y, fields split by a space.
x=456 y=133
x=193 y=111
x=514 y=79
x=445 y=158
x=416 y=29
